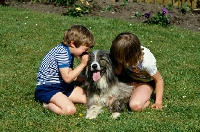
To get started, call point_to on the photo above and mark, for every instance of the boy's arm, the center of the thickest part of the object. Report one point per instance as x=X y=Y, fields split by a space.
x=70 y=75
x=159 y=90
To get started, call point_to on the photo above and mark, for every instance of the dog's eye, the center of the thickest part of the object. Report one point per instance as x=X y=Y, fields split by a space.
x=102 y=60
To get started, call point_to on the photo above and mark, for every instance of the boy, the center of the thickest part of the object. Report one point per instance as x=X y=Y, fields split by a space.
x=56 y=74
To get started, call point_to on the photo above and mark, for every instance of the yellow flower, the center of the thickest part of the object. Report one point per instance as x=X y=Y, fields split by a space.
x=87 y=3
x=81 y=1
x=80 y=114
x=78 y=9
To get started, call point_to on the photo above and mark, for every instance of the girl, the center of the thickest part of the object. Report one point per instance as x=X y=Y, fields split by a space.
x=136 y=65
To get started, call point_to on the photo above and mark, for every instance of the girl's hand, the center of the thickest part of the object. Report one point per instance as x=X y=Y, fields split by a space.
x=157 y=106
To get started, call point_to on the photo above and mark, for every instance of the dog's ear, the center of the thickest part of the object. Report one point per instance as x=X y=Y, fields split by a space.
x=113 y=61
x=87 y=74
x=90 y=56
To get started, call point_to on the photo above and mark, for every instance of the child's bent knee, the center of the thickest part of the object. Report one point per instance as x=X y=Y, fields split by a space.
x=69 y=111
x=135 y=106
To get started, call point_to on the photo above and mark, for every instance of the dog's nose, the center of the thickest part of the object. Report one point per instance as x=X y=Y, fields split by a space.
x=94 y=66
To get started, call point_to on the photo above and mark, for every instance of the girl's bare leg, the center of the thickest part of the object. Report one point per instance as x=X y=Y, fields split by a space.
x=140 y=97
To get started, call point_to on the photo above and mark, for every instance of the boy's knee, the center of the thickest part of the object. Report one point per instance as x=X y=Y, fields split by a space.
x=135 y=106
x=69 y=111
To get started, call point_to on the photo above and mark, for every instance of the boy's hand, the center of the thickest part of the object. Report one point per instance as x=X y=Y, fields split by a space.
x=84 y=59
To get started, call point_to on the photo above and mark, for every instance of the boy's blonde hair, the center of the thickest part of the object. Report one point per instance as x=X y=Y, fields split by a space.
x=80 y=35
x=126 y=49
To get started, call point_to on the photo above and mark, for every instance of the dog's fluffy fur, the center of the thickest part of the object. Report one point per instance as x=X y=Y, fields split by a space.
x=101 y=85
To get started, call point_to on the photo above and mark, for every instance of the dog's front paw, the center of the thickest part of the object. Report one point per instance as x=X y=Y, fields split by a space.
x=115 y=115
x=93 y=111
x=93 y=116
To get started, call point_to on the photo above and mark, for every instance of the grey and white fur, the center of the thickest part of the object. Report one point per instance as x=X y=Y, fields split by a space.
x=100 y=90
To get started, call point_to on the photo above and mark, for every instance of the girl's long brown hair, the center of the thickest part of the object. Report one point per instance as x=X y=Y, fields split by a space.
x=126 y=49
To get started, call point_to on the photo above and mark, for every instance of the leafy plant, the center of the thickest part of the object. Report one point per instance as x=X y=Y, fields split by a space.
x=136 y=14
x=125 y=2
x=185 y=8
x=161 y=18
x=79 y=9
x=107 y=8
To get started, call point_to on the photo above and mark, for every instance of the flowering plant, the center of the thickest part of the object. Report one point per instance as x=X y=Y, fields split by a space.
x=79 y=10
x=161 y=18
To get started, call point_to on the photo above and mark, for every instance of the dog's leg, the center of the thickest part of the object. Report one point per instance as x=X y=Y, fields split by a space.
x=93 y=111
x=117 y=107
x=115 y=115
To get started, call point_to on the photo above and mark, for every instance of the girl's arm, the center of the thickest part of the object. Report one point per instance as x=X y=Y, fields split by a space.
x=159 y=90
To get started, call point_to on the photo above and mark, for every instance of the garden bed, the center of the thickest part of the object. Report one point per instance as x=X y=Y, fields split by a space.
x=187 y=20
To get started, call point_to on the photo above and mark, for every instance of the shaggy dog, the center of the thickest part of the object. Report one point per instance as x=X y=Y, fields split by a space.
x=102 y=85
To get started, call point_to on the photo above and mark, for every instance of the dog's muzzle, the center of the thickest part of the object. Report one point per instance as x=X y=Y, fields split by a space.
x=96 y=71
x=95 y=66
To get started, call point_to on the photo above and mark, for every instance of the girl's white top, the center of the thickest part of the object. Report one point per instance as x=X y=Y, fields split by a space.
x=145 y=69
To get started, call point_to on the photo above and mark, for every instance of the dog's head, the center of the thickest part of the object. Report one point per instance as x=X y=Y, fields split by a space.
x=99 y=65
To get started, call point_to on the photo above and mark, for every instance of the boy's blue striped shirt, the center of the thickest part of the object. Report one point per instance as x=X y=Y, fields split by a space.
x=58 y=57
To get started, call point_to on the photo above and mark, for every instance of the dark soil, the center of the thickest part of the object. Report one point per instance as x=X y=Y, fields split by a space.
x=189 y=20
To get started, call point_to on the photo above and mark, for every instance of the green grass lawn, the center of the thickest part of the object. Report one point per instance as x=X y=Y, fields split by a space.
x=26 y=36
